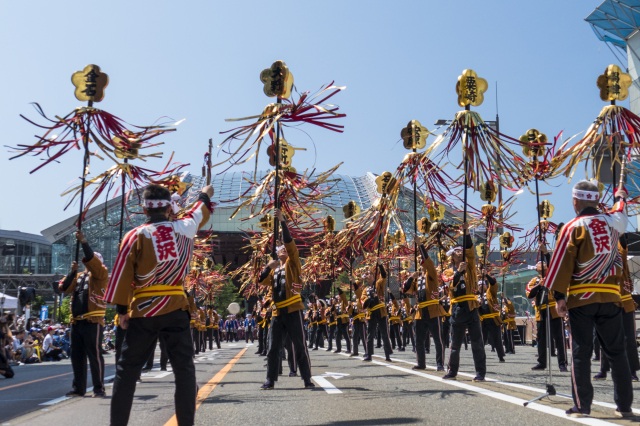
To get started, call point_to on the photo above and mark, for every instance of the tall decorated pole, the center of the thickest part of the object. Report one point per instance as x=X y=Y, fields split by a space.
x=534 y=146
x=278 y=82
x=90 y=84
x=470 y=89
x=414 y=137
x=350 y=210
x=385 y=185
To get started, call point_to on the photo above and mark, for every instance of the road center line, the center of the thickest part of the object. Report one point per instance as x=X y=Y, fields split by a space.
x=210 y=386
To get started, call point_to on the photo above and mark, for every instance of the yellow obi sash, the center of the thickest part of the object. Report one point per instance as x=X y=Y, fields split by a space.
x=324 y=321
x=313 y=323
x=332 y=323
x=358 y=317
x=465 y=298
x=288 y=302
x=428 y=303
x=491 y=315
x=550 y=305
x=594 y=288
x=509 y=320
x=394 y=318
x=159 y=290
x=626 y=297
x=90 y=314
x=378 y=306
x=343 y=316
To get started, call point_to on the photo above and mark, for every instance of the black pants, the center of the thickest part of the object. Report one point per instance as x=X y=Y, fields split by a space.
x=292 y=324
x=508 y=341
x=446 y=331
x=607 y=319
x=557 y=335
x=138 y=342
x=343 y=333
x=408 y=334
x=85 y=343
x=260 y=339
x=423 y=327
x=320 y=335
x=491 y=334
x=313 y=331
x=265 y=337
x=120 y=333
x=195 y=339
x=248 y=334
x=359 y=335
x=378 y=323
x=396 y=338
x=291 y=357
x=331 y=336
x=629 y=324
x=477 y=344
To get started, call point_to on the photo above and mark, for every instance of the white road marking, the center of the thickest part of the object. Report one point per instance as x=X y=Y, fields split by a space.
x=325 y=384
x=513 y=385
x=64 y=398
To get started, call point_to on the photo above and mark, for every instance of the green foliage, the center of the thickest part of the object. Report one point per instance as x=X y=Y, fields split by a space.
x=228 y=294
x=109 y=315
x=37 y=303
x=65 y=311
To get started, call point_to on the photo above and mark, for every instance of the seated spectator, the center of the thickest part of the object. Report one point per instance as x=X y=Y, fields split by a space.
x=50 y=350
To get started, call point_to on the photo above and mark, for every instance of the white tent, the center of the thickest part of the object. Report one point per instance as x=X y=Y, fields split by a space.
x=10 y=302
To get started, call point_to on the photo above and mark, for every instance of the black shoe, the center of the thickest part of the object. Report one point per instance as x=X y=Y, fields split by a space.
x=337 y=351
x=400 y=349
x=99 y=394
x=502 y=360
x=314 y=349
x=538 y=367
x=440 y=368
x=329 y=349
x=427 y=352
x=379 y=346
x=562 y=368
x=634 y=377
x=258 y=353
x=309 y=385
x=418 y=367
x=293 y=374
x=73 y=393
x=449 y=376
x=367 y=358
x=354 y=354
x=575 y=412
x=267 y=385
x=388 y=359
x=479 y=378
x=595 y=358
x=600 y=376
x=553 y=354
x=163 y=368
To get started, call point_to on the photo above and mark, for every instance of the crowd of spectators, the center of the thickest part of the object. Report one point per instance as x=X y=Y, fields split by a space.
x=31 y=341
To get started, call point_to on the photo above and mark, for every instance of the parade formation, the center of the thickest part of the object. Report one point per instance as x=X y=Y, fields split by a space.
x=313 y=287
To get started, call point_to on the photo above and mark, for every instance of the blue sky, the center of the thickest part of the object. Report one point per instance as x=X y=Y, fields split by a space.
x=201 y=60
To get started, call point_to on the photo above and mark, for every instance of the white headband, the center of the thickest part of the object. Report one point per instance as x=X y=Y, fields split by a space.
x=581 y=194
x=154 y=204
x=452 y=249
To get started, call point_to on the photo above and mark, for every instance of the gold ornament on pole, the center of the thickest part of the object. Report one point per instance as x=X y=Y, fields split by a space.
x=470 y=88
x=90 y=84
x=614 y=84
x=351 y=209
x=414 y=136
x=329 y=223
x=533 y=143
x=385 y=183
x=278 y=80
x=546 y=209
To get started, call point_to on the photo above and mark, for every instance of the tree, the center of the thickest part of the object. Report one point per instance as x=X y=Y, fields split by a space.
x=227 y=295
x=37 y=303
x=65 y=311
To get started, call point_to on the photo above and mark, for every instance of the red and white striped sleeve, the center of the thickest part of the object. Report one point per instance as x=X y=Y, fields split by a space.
x=119 y=290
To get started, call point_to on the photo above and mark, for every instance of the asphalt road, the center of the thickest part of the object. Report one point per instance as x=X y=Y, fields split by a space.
x=349 y=392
